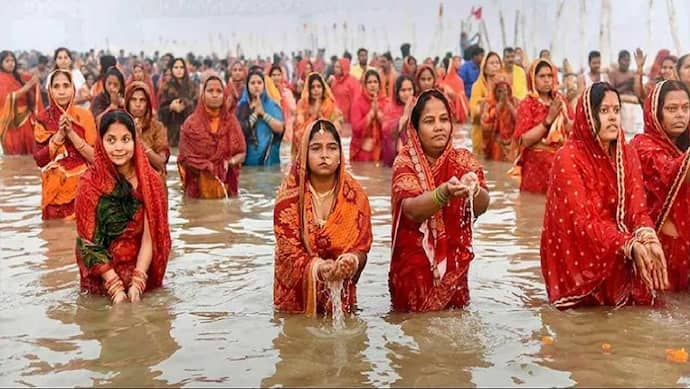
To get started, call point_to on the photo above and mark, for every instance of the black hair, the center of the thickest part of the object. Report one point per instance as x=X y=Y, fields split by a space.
x=593 y=54
x=15 y=73
x=398 y=85
x=387 y=55
x=208 y=63
x=60 y=49
x=541 y=64
x=42 y=59
x=106 y=61
x=623 y=53
x=362 y=49
x=117 y=116
x=171 y=65
x=508 y=50
x=544 y=51
x=310 y=80
x=347 y=55
x=683 y=141
x=254 y=71
x=596 y=98
x=423 y=98
x=679 y=64
x=274 y=67
x=326 y=125
x=369 y=73
x=112 y=71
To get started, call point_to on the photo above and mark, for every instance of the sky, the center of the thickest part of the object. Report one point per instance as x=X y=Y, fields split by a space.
x=267 y=26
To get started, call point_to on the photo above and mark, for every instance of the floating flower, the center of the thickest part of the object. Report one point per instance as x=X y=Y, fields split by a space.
x=547 y=340
x=606 y=347
x=676 y=355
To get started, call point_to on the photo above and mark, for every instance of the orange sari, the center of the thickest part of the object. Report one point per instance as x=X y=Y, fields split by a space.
x=301 y=243
x=498 y=125
x=455 y=83
x=16 y=117
x=61 y=165
x=306 y=115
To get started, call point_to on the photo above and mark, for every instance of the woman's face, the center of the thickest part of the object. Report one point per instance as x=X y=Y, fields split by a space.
x=138 y=104
x=236 y=72
x=8 y=64
x=213 y=94
x=308 y=68
x=63 y=61
x=256 y=85
x=426 y=80
x=178 y=70
x=167 y=75
x=676 y=113
x=138 y=73
x=544 y=79
x=501 y=91
x=61 y=89
x=277 y=77
x=338 y=69
x=456 y=62
x=406 y=91
x=434 y=127
x=493 y=66
x=684 y=72
x=316 y=90
x=112 y=84
x=609 y=117
x=119 y=144
x=667 y=69
x=324 y=154
x=372 y=85
x=90 y=80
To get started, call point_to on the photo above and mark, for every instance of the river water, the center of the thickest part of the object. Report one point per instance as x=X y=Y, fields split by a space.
x=213 y=324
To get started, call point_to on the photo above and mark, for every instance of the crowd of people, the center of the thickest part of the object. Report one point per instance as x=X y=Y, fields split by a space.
x=616 y=230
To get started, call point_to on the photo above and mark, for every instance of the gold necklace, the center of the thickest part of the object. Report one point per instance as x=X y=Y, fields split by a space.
x=317 y=201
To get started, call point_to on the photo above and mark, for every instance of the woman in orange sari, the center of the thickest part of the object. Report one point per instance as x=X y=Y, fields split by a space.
x=499 y=115
x=345 y=87
x=212 y=147
x=322 y=224
x=663 y=151
x=151 y=132
x=122 y=217
x=598 y=246
x=454 y=83
x=65 y=135
x=437 y=190
x=139 y=74
x=16 y=101
x=317 y=102
x=543 y=124
x=367 y=120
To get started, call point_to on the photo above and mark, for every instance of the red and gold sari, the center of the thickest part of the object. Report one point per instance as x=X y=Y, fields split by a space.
x=665 y=168
x=444 y=239
x=306 y=115
x=61 y=165
x=534 y=162
x=498 y=125
x=16 y=117
x=594 y=205
x=345 y=89
x=154 y=134
x=110 y=222
x=360 y=150
x=301 y=243
x=208 y=140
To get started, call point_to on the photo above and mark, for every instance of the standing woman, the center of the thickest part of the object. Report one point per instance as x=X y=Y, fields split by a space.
x=663 y=151
x=122 y=217
x=151 y=132
x=455 y=83
x=598 y=246
x=434 y=187
x=262 y=122
x=489 y=69
x=64 y=61
x=345 y=87
x=19 y=94
x=113 y=95
x=317 y=102
x=139 y=74
x=367 y=120
x=65 y=134
x=287 y=100
x=683 y=69
x=322 y=224
x=395 y=118
x=499 y=116
x=177 y=99
x=105 y=62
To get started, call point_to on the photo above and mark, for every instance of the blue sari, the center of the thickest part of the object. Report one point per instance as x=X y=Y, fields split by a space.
x=263 y=145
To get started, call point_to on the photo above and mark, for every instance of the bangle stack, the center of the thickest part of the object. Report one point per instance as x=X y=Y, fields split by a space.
x=644 y=236
x=439 y=198
x=267 y=118
x=114 y=286
x=139 y=279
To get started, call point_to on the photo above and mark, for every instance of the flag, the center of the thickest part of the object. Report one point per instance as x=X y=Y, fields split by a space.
x=477 y=13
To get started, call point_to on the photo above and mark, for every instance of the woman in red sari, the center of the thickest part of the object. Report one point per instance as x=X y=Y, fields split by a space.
x=454 y=83
x=212 y=146
x=65 y=135
x=139 y=74
x=409 y=67
x=19 y=93
x=122 y=217
x=317 y=102
x=437 y=189
x=395 y=118
x=236 y=81
x=304 y=68
x=499 y=115
x=322 y=224
x=663 y=152
x=543 y=123
x=367 y=120
x=345 y=87
x=598 y=246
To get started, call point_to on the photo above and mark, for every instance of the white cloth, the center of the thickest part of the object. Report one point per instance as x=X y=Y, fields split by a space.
x=631 y=120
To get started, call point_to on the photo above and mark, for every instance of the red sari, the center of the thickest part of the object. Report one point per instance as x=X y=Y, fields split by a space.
x=208 y=140
x=301 y=243
x=498 y=125
x=391 y=123
x=665 y=168
x=361 y=130
x=153 y=98
x=535 y=162
x=594 y=205
x=444 y=240
x=16 y=117
x=345 y=89
x=98 y=187
x=452 y=81
x=61 y=166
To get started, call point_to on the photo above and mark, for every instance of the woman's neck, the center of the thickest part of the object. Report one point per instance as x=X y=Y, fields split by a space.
x=126 y=170
x=322 y=184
